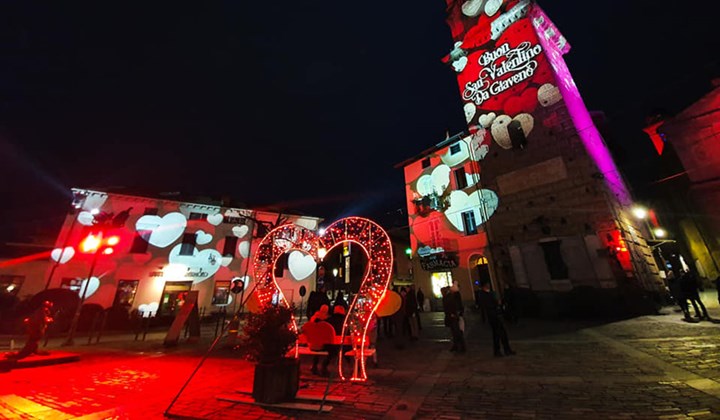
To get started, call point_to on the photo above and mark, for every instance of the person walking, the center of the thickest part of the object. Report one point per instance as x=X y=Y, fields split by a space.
x=453 y=308
x=492 y=309
x=421 y=299
x=411 y=312
x=691 y=288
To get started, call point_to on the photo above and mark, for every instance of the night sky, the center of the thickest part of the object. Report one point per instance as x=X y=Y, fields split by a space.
x=304 y=105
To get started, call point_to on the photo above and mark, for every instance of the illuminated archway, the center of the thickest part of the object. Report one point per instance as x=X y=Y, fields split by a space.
x=277 y=242
x=375 y=242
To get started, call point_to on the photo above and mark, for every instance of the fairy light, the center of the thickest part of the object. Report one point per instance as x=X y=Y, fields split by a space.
x=277 y=242
x=375 y=242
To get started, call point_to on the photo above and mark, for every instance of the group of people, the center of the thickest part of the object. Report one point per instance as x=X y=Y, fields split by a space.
x=405 y=323
x=686 y=288
x=492 y=312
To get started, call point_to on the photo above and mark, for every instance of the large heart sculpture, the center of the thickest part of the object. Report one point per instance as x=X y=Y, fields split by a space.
x=482 y=208
x=165 y=230
x=301 y=265
x=201 y=264
x=62 y=256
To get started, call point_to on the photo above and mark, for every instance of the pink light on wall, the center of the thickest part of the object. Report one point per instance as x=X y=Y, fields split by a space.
x=555 y=46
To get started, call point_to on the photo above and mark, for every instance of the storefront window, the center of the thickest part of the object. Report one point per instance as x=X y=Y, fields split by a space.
x=173 y=297
x=125 y=294
x=222 y=293
x=440 y=280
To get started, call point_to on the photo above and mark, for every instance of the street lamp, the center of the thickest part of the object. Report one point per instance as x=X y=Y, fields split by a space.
x=659 y=232
x=640 y=212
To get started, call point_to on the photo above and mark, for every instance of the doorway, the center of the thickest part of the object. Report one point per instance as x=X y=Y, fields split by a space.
x=173 y=297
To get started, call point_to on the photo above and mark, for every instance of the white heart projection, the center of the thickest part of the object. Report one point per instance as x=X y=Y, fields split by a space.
x=165 y=230
x=453 y=159
x=478 y=148
x=244 y=249
x=461 y=203
x=470 y=110
x=301 y=265
x=437 y=182
x=202 y=238
x=92 y=286
x=201 y=264
x=492 y=7
x=240 y=231
x=61 y=256
x=472 y=8
x=94 y=201
x=500 y=131
x=548 y=95
x=148 y=308
x=486 y=120
x=307 y=223
x=215 y=219
x=460 y=64
x=225 y=261
x=85 y=218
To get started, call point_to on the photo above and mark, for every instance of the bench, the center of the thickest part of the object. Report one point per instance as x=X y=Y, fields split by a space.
x=319 y=334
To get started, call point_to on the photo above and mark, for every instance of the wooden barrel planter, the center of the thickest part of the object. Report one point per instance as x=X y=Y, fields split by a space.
x=276 y=382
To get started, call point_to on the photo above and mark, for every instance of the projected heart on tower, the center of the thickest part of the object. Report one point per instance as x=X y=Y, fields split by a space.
x=201 y=264
x=301 y=266
x=62 y=256
x=165 y=230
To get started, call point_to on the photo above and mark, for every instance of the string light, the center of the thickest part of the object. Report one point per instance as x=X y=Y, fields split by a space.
x=369 y=237
x=375 y=242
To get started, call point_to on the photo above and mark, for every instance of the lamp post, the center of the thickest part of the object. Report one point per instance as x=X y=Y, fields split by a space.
x=84 y=288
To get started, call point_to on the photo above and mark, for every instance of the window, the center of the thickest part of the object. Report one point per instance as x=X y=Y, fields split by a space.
x=150 y=211
x=469 y=224
x=554 y=260
x=455 y=149
x=460 y=178
x=230 y=246
x=439 y=280
x=222 y=292
x=425 y=163
x=140 y=242
x=11 y=284
x=197 y=216
x=188 y=244
x=125 y=294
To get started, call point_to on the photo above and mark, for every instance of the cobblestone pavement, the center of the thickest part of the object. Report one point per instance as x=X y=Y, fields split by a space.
x=654 y=367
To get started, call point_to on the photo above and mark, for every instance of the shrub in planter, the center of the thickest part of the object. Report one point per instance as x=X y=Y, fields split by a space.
x=265 y=340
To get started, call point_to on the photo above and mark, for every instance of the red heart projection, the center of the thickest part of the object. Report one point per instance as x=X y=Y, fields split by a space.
x=364 y=233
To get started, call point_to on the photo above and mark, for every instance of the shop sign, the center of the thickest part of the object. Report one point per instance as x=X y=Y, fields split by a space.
x=439 y=262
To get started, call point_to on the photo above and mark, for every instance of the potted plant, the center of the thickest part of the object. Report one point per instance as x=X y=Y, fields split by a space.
x=265 y=340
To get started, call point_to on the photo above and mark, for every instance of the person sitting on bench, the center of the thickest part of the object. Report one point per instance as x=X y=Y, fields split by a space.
x=336 y=320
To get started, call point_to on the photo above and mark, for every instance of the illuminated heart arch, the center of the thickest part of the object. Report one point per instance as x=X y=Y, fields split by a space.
x=365 y=233
x=375 y=242
x=277 y=242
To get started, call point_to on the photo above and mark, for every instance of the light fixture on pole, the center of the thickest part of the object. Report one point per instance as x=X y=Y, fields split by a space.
x=640 y=212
